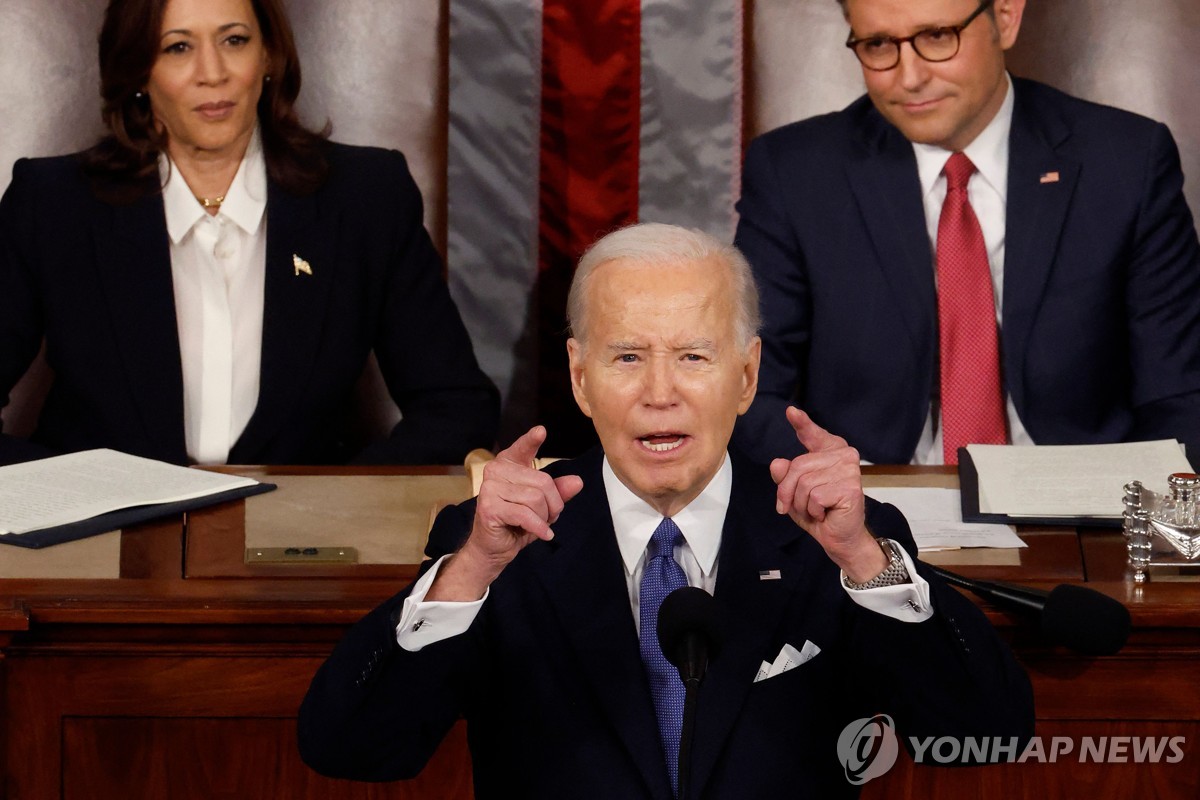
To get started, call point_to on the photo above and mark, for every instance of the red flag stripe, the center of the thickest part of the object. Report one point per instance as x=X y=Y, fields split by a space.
x=590 y=123
x=588 y=180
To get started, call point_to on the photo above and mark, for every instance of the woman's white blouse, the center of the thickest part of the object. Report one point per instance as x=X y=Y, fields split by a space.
x=218 y=266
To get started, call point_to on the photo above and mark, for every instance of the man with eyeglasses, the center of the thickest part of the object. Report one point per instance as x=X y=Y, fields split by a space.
x=961 y=256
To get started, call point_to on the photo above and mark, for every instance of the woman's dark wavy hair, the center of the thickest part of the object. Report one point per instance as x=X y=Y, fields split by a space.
x=124 y=164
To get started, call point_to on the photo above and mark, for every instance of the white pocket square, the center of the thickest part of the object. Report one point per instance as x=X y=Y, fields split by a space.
x=789 y=658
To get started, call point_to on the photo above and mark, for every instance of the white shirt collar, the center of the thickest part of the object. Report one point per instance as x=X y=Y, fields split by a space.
x=244 y=203
x=701 y=521
x=989 y=152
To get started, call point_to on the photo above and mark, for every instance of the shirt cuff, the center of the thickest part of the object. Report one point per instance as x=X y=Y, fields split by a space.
x=424 y=623
x=906 y=602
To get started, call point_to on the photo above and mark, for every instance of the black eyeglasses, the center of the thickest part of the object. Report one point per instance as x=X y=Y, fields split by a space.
x=881 y=53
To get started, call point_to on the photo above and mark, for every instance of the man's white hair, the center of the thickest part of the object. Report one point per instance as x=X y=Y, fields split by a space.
x=657 y=244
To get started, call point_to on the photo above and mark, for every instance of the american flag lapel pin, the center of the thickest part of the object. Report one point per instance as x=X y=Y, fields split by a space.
x=769 y=575
x=1049 y=177
x=301 y=265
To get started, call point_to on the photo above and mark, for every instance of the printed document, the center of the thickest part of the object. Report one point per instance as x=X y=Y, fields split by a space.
x=78 y=486
x=1070 y=480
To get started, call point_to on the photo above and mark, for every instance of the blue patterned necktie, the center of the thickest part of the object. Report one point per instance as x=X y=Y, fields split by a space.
x=661 y=576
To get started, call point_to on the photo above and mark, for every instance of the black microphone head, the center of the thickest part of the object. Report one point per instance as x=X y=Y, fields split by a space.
x=689 y=611
x=1085 y=620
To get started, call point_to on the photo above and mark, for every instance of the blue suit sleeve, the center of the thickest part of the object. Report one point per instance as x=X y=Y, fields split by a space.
x=1163 y=300
x=377 y=712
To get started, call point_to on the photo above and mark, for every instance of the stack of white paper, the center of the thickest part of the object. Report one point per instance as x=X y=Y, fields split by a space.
x=935 y=516
x=1070 y=480
x=78 y=486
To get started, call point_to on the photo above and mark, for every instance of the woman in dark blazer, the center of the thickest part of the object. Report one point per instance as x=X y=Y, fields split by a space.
x=211 y=277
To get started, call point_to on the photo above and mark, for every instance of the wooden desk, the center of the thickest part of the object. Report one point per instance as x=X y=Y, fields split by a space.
x=1151 y=688
x=180 y=680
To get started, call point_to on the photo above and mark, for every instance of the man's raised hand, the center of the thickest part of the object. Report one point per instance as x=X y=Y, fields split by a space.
x=516 y=505
x=822 y=492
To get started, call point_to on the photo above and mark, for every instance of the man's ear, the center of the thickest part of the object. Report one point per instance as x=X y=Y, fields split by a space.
x=1008 y=15
x=575 y=355
x=750 y=374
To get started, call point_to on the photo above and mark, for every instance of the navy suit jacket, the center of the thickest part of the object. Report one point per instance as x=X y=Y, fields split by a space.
x=1100 y=338
x=94 y=279
x=551 y=683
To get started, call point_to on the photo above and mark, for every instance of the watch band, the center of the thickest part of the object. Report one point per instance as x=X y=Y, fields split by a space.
x=895 y=572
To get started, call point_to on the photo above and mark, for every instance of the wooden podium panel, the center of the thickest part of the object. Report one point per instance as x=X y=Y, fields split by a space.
x=383 y=513
x=154 y=692
x=243 y=757
x=1065 y=779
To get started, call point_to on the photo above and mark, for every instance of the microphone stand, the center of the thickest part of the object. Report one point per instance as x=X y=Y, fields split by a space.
x=1019 y=597
x=696 y=654
x=1076 y=617
x=690 y=632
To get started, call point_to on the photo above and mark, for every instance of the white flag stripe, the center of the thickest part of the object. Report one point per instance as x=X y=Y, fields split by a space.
x=691 y=87
x=492 y=181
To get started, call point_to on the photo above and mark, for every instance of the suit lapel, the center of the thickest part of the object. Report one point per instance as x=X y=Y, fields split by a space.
x=888 y=192
x=1040 y=185
x=293 y=314
x=133 y=258
x=583 y=576
x=754 y=539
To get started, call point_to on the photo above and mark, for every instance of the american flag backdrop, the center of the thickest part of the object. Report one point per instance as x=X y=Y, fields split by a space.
x=569 y=118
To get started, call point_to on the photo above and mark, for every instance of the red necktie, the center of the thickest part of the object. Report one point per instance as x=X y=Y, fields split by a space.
x=972 y=400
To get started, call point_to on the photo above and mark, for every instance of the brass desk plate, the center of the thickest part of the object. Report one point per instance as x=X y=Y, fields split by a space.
x=301 y=555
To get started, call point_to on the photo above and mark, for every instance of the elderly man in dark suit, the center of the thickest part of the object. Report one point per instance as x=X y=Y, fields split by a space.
x=960 y=256
x=535 y=618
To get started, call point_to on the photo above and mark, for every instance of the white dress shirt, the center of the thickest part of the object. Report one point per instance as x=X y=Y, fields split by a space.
x=988 y=193
x=634 y=521
x=218 y=267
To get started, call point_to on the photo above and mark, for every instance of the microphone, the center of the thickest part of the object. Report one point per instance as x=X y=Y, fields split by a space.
x=1075 y=617
x=690 y=632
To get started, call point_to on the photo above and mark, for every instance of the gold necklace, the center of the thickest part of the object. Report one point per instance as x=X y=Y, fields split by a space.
x=211 y=202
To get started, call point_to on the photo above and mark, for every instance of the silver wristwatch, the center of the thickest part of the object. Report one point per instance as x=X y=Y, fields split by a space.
x=893 y=574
